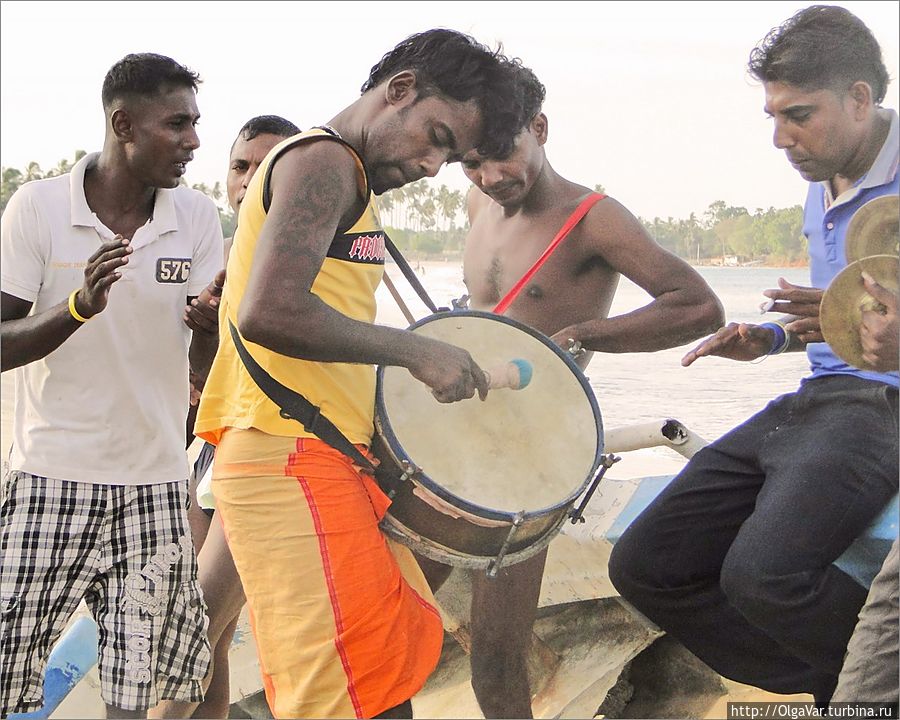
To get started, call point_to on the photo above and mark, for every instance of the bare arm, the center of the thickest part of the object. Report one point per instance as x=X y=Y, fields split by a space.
x=748 y=341
x=313 y=189
x=684 y=307
x=28 y=338
x=201 y=315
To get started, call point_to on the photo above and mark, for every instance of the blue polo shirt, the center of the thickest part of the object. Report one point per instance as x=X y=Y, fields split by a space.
x=825 y=221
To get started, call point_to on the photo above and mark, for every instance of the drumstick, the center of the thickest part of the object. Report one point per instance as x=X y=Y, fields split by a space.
x=515 y=375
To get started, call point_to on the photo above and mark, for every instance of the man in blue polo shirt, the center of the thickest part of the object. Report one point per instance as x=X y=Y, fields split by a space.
x=734 y=558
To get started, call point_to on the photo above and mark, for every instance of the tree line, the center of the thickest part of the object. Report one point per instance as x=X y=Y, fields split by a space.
x=429 y=221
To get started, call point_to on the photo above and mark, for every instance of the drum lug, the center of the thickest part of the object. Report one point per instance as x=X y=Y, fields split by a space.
x=494 y=565
x=607 y=462
x=574 y=348
x=390 y=483
x=410 y=470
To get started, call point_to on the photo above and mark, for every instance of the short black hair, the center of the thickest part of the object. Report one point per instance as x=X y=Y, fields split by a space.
x=266 y=125
x=145 y=74
x=822 y=46
x=457 y=66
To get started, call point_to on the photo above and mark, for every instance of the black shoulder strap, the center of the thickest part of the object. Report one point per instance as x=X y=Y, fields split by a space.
x=293 y=406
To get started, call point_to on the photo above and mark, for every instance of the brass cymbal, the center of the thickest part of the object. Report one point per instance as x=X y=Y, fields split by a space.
x=874 y=229
x=845 y=299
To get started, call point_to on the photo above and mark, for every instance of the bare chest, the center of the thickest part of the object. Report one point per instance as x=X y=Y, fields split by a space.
x=572 y=285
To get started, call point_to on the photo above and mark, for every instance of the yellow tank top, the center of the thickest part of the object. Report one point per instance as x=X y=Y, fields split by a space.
x=347 y=281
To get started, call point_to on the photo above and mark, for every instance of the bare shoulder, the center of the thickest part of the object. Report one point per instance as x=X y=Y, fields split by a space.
x=608 y=221
x=612 y=232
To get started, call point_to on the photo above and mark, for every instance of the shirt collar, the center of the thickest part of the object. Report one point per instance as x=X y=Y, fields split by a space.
x=164 y=217
x=81 y=211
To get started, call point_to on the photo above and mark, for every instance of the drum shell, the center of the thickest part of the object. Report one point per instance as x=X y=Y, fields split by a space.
x=447 y=535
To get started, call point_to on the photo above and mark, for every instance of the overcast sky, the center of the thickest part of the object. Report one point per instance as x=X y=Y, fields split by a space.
x=652 y=100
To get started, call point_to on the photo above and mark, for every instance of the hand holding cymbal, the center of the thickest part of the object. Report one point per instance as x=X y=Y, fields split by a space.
x=879 y=332
x=847 y=300
x=515 y=375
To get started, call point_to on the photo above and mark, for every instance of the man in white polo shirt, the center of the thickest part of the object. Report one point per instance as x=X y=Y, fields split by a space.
x=97 y=269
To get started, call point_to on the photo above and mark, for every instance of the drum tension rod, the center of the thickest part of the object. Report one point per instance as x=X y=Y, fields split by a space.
x=390 y=485
x=608 y=461
x=495 y=563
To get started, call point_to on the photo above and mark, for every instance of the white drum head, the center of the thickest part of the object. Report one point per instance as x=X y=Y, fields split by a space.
x=519 y=450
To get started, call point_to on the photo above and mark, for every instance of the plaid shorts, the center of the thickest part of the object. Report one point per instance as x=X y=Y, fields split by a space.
x=125 y=550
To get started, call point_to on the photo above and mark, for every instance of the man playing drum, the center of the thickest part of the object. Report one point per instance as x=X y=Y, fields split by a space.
x=518 y=204
x=345 y=624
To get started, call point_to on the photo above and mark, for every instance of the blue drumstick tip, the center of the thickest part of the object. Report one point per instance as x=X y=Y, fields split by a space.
x=525 y=371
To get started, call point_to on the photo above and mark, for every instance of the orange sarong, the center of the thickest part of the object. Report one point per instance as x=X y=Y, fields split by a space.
x=344 y=622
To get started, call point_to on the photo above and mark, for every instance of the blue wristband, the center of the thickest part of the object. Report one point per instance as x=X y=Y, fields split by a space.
x=781 y=339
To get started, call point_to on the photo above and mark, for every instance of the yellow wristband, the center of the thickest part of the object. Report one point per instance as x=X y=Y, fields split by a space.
x=72 y=311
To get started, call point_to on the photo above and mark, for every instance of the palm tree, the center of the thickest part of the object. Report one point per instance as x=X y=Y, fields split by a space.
x=452 y=205
x=447 y=202
x=385 y=205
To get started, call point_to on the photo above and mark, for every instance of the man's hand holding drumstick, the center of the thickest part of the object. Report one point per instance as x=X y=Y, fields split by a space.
x=515 y=375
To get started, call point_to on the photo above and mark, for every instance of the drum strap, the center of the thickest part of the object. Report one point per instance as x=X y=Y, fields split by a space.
x=293 y=406
x=570 y=223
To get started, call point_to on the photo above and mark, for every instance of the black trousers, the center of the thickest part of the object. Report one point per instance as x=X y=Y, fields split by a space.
x=734 y=558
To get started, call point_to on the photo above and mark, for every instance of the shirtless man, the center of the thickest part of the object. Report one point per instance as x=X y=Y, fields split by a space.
x=517 y=206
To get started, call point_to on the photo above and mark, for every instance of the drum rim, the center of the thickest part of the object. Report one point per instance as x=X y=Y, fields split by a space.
x=396 y=449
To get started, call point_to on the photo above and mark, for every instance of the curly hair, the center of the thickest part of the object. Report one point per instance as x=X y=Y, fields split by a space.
x=145 y=74
x=822 y=46
x=457 y=66
x=533 y=94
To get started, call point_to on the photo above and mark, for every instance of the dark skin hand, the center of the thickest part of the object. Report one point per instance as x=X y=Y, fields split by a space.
x=803 y=303
x=735 y=341
x=746 y=341
x=28 y=338
x=201 y=315
x=202 y=312
x=879 y=331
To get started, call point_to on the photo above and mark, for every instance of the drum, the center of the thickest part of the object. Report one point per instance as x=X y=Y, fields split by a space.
x=479 y=483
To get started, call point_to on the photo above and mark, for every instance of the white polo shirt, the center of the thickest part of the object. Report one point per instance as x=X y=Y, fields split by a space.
x=109 y=405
